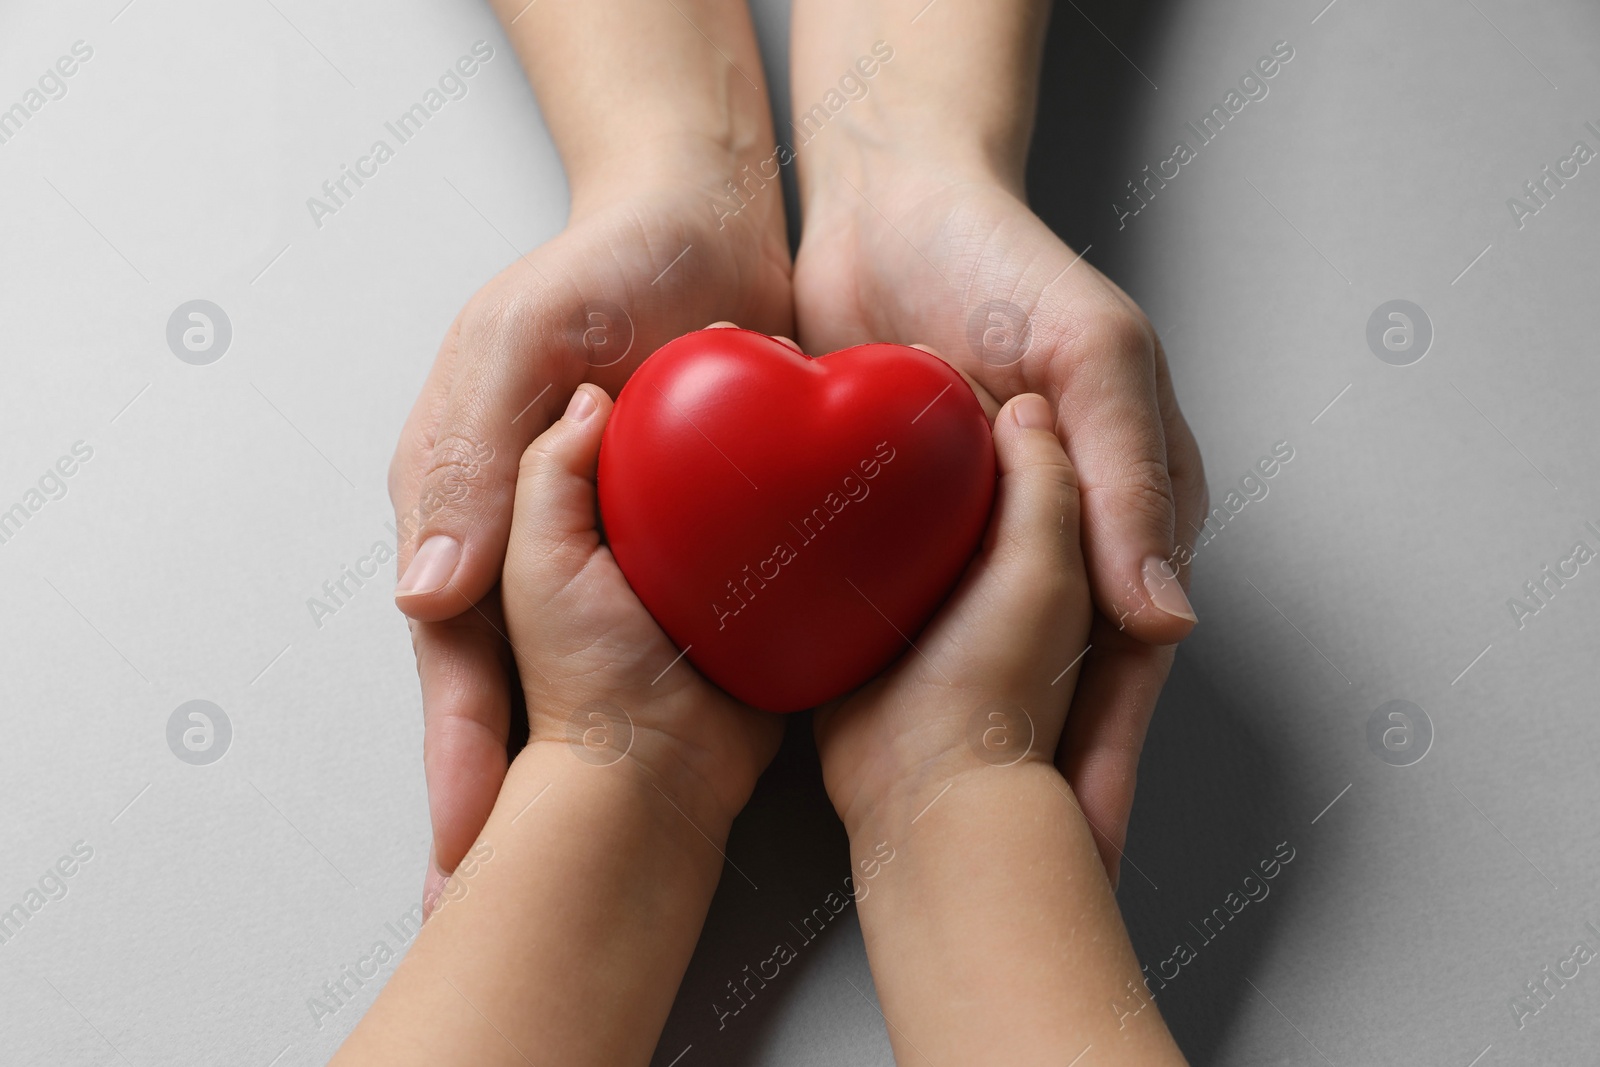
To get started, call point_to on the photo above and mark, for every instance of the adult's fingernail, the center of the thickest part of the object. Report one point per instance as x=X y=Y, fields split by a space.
x=581 y=406
x=431 y=567
x=1165 y=592
x=1032 y=412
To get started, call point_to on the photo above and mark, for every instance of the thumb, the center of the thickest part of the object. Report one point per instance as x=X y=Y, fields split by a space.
x=1035 y=552
x=553 y=527
x=1029 y=597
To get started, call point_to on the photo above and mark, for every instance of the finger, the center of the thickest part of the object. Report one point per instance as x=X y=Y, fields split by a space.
x=1106 y=382
x=1122 y=678
x=724 y=324
x=414 y=451
x=1099 y=750
x=554 y=530
x=986 y=399
x=466 y=719
x=1185 y=466
x=1031 y=571
x=1036 y=509
x=512 y=373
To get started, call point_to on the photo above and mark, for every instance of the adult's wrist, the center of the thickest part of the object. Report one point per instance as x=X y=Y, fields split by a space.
x=947 y=88
x=662 y=158
x=876 y=156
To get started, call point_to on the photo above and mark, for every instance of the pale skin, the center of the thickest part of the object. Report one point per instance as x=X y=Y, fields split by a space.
x=913 y=217
x=993 y=933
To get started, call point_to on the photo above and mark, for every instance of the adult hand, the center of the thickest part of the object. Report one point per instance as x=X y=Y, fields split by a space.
x=916 y=229
x=652 y=119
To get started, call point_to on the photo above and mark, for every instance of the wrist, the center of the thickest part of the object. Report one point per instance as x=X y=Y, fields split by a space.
x=708 y=780
x=882 y=775
x=952 y=96
x=670 y=155
x=877 y=153
x=971 y=797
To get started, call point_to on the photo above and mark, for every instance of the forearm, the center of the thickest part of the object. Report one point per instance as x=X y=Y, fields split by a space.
x=567 y=941
x=648 y=89
x=959 y=91
x=994 y=936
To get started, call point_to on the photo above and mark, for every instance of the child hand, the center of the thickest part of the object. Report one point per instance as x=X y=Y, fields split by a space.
x=598 y=673
x=991 y=928
x=988 y=681
x=569 y=933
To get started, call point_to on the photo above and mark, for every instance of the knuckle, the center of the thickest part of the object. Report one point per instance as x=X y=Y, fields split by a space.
x=504 y=309
x=458 y=469
x=539 y=460
x=1057 y=474
x=1145 y=490
x=1117 y=332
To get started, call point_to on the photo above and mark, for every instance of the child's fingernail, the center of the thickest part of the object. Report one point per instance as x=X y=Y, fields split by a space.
x=1033 y=413
x=431 y=567
x=1165 y=592
x=581 y=406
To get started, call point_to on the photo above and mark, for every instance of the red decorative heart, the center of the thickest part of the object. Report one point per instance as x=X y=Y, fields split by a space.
x=793 y=522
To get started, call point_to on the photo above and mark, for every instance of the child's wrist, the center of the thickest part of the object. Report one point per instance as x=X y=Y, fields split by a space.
x=883 y=795
x=602 y=748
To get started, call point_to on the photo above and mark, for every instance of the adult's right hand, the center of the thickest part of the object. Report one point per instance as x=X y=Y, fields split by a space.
x=628 y=274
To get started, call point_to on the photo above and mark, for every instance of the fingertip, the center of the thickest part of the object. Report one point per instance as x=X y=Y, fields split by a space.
x=986 y=400
x=581 y=406
x=431 y=568
x=1161 y=581
x=575 y=432
x=1025 y=436
x=1032 y=412
x=587 y=401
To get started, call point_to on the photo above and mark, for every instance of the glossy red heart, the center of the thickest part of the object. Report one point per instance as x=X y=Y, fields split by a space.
x=793 y=522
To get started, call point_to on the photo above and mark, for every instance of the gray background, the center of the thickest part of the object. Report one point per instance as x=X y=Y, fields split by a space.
x=219 y=498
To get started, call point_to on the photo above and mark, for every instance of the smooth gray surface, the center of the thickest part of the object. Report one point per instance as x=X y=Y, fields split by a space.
x=219 y=498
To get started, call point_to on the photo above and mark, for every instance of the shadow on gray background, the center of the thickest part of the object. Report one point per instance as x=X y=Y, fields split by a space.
x=1211 y=794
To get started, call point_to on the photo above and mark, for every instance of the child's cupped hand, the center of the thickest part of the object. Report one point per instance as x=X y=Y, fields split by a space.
x=987 y=683
x=599 y=674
